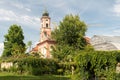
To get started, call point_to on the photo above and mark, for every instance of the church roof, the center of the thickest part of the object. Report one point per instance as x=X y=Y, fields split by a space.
x=49 y=41
x=87 y=39
x=35 y=49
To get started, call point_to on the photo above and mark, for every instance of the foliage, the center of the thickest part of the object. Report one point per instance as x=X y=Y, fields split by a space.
x=96 y=64
x=36 y=54
x=29 y=44
x=13 y=43
x=61 y=53
x=66 y=67
x=71 y=31
x=69 y=37
x=34 y=65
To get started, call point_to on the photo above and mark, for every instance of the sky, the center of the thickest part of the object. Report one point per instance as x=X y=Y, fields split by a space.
x=101 y=16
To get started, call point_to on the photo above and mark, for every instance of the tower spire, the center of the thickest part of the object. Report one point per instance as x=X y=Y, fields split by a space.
x=45 y=13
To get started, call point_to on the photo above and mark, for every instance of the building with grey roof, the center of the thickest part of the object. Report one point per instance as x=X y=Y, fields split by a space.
x=105 y=43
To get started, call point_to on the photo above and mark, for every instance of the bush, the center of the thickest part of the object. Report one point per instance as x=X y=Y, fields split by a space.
x=37 y=66
x=96 y=64
x=13 y=69
x=66 y=68
x=60 y=71
x=33 y=65
x=118 y=76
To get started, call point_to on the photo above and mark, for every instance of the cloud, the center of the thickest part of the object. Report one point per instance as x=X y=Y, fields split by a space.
x=9 y=15
x=95 y=25
x=117 y=31
x=21 y=6
x=1 y=48
x=27 y=9
x=116 y=8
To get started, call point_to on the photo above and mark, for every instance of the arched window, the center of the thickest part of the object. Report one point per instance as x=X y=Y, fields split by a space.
x=43 y=51
x=47 y=25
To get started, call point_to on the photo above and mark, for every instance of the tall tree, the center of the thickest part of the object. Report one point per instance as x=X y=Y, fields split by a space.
x=13 y=43
x=69 y=35
x=71 y=31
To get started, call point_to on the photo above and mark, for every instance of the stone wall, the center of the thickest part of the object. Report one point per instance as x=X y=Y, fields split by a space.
x=6 y=65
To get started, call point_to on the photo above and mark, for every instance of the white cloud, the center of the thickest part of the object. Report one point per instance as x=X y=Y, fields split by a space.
x=116 y=8
x=21 y=6
x=29 y=19
x=27 y=9
x=117 y=1
x=1 y=48
x=116 y=31
x=8 y=15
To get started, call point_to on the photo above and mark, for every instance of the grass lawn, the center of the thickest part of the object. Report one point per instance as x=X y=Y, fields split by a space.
x=11 y=76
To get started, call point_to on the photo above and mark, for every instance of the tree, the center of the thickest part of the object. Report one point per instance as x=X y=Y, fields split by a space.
x=71 y=31
x=69 y=36
x=13 y=43
x=95 y=65
x=29 y=44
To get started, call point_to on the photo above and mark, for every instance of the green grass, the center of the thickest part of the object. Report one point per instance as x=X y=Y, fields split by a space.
x=11 y=76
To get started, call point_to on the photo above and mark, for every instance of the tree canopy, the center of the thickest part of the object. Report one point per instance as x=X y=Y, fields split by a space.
x=69 y=36
x=71 y=31
x=13 y=43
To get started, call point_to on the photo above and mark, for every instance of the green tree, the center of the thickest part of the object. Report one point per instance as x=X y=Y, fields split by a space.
x=13 y=43
x=69 y=36
x=29 y=44
x=92 y=65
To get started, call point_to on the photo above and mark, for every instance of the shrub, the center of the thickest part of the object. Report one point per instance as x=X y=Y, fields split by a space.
x=37 y=66
x=96 y=64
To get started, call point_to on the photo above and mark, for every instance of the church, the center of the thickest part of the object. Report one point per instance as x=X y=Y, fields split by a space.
x=44 y=47
x=45 y=44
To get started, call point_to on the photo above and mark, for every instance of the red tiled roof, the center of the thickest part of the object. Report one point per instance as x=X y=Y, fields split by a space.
x=49 y=41
x=87 y=39
x=35 y=49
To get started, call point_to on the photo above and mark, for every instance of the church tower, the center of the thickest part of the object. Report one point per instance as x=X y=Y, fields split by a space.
x=45 y=27
x=45 y=44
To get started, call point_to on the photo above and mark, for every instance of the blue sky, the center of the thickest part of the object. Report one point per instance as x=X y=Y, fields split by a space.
x=101 y=16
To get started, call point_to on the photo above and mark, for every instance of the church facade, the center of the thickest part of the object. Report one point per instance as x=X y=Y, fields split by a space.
x=45 y=44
